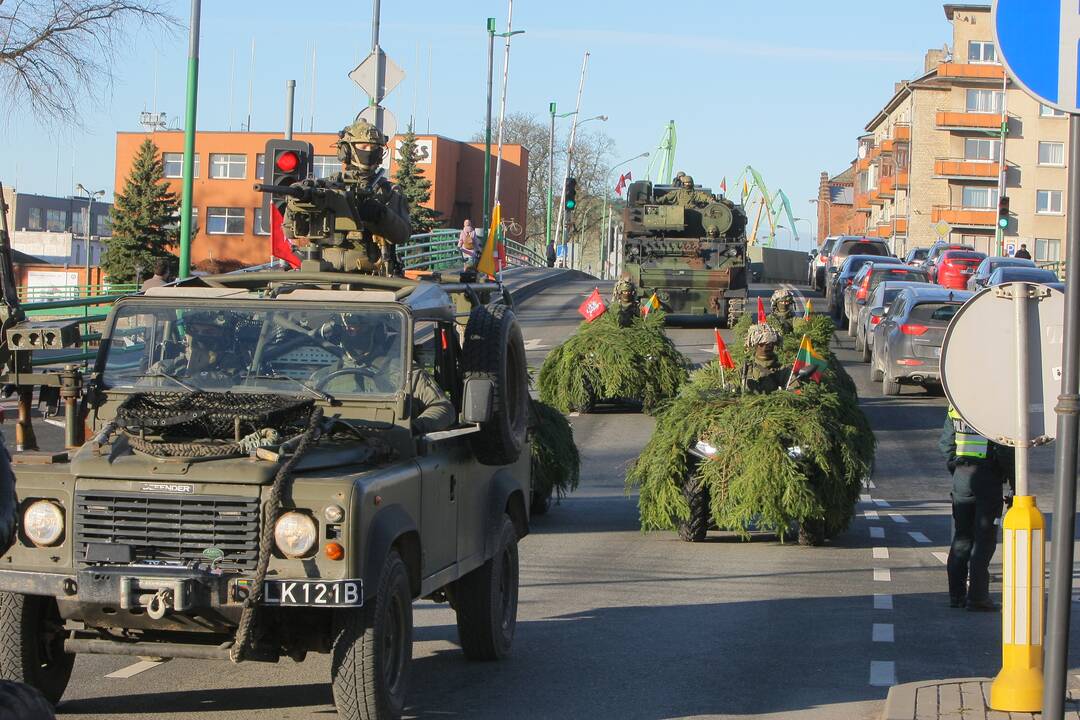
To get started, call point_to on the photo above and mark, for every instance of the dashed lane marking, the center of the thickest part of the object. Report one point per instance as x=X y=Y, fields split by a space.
x=881 y=553
x=882 y=601
x=864 y=498
x=942 y=557
x=882 y=575
x=575 y=414
x=919 y=537
x=881 y=503
x=131 y=670
x=882 y=673
x=883 y=632
x=876 y=531
x=870 y=515
x=898 y=518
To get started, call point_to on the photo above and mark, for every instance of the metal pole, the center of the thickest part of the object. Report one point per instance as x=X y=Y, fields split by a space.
x=548 y=239
x=1020 y=301
x=1000 y=233
x=290 y=93
x=502 y=96
x=380 y=69
x=487 y=124
x=559 y=231
x=189 y=139
x=1068 y=408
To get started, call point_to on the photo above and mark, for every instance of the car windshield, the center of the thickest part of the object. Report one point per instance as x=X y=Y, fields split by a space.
x=934 y=312
x=919 y=253
x=867 y=248
x=287 y=349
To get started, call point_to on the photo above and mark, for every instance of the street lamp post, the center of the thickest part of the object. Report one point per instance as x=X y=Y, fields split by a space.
x=809 y=225
x=487 y=125
x=560 y=230
x=605 y=220
x=89 y=209
x=549 y=240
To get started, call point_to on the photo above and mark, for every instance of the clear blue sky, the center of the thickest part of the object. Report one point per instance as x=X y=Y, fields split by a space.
x=786 y=93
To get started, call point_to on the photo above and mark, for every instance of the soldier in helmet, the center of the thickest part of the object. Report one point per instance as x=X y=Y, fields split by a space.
x=625 y=299
x=763 y=372
x=783 y=310
x=211 y=355
x=686 y=195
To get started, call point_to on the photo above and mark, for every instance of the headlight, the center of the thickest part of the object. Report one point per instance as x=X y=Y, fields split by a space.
x=43 y=523
x=333 y=513
x=705 y=448
x=295 y=534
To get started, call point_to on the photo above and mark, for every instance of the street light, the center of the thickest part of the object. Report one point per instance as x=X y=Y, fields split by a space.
x=828 y=215
x=487 y=125
x=549 y=243
x=809 y=225
x=605 y=220
x=89 y=209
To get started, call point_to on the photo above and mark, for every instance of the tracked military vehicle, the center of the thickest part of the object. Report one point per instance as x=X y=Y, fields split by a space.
x=689 y=247
x=279 y=463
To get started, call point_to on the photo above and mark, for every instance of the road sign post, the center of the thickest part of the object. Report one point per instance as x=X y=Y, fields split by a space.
x=1038 y=41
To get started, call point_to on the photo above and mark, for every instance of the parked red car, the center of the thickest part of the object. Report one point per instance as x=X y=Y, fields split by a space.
x=956 y=266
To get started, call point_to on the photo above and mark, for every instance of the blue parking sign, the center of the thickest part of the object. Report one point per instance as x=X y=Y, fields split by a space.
x=1039 y=43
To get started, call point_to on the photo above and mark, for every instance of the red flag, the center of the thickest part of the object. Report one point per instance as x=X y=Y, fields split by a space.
x=593 y=307
x=724 y=356
x=762 y=318
x=280 y=247
x=621 y=185
x=723 y=185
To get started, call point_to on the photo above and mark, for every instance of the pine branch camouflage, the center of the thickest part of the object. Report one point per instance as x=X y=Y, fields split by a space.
x=144 y=219
x=556 y=464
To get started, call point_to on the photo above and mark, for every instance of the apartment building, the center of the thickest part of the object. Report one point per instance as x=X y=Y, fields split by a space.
x=933 y=162
x=227 y=212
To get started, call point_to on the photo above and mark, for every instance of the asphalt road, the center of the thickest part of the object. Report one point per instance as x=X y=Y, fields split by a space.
x=614 y=623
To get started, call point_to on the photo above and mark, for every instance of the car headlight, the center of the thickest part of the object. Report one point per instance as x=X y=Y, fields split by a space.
x=295 y=534
x=43 y=523
x=705 y=448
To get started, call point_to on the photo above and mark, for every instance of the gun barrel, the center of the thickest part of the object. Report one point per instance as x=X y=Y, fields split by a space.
x=290 y=190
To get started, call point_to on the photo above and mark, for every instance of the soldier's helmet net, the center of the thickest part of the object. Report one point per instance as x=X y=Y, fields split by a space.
x=687 y=182
x=761 y=335
x=354 y=138
x=782 y=296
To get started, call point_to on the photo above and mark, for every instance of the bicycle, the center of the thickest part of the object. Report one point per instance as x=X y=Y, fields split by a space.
x=511 y=228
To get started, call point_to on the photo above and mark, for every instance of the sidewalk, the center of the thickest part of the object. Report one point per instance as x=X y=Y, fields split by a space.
x=961 y=699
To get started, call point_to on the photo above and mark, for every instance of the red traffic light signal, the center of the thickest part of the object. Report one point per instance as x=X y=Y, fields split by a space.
x=287 y=161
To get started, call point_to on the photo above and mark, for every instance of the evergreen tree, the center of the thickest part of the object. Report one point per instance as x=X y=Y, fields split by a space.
x=414 y=186
x=144 y=219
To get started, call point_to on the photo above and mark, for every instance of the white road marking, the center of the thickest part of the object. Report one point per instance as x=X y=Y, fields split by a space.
x=942 y=557
x=877 y=531
x=919 y=537
x=898 y=518
x=882 y=673
x=881 y=503
x=881 y=553
x=130 y=670
x=882 y=601
x=882 y=575
x=57 y=423
x=535 y=344
x=883 y=632
x=575 y=414
x=870 y=484
x=870 y=515
x=865 y=498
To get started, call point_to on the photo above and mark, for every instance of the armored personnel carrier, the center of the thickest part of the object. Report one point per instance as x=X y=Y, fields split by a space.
x=692 y=255
x=279 y=463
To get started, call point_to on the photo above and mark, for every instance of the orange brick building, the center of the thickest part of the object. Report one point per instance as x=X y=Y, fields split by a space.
x=227 y=210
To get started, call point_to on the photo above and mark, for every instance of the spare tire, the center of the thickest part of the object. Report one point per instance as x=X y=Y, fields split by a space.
x=7 y=500
x=494 y=349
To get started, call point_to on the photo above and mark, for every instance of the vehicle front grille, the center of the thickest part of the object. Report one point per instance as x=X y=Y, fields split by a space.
x=170 y=528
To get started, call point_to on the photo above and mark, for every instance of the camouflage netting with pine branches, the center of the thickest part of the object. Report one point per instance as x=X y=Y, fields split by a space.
x=753 y=480
x=638 y=363
x=555 y=460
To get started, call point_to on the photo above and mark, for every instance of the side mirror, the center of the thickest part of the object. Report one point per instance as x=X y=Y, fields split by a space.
x=477 y=401
x=878 y=312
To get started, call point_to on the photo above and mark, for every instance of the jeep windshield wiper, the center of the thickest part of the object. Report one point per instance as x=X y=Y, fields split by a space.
x=317 y=393
x=167 y=376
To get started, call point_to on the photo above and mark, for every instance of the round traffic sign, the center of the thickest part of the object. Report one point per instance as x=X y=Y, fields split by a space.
x=979 y=362
x=1037 y=43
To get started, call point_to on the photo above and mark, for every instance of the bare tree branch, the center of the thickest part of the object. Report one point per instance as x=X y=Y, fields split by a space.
x=55 y=54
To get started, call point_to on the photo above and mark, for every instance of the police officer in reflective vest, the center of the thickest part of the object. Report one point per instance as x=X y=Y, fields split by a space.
x=979 y=468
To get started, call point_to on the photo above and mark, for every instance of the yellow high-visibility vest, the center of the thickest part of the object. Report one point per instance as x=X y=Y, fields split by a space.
x=968 y=442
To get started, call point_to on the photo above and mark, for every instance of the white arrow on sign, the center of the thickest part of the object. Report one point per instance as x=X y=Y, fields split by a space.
x=364 y=75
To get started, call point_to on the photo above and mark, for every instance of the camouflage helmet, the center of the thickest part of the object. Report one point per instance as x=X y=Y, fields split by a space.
x=687 y=181
x=782 y=295
x=678 y=177
x=762 y=334
x=361 y=131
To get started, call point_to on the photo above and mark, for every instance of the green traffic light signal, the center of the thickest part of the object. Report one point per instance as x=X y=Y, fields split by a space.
x=570 y=204
x=1003 y=222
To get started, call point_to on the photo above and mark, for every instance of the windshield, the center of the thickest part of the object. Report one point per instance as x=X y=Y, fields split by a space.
x=867 y=248
x=285 y=349
x=934 y=312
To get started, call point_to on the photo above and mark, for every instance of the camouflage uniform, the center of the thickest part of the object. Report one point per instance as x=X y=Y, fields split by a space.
x=783 y=311
x=686 y=195
x=763 y=373
x=625 y=298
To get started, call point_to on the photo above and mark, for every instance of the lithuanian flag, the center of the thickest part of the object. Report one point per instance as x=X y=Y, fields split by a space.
x=809 y=309
x=653 y=303
x=807 y=357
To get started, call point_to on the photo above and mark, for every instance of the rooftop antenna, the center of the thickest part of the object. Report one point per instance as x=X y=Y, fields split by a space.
x=251 y=85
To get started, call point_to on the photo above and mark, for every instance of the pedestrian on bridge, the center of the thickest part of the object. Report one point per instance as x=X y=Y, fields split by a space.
x=467 y=244
x=979 y=469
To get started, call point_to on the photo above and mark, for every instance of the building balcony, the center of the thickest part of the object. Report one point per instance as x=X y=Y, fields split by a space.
x=967 y=121
x=875 y=153
x=954 y=169
x=887 y=187
x=862 y=202
x=888 y=146
x=875 y=197
x=971 y=71
x=900 y=226
x=961 y=217
x=901 y=132
x=884 y=230
x=862 y=164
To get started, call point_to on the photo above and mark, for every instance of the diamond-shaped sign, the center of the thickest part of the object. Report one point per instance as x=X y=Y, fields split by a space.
x=364 y=75
x=942 y=228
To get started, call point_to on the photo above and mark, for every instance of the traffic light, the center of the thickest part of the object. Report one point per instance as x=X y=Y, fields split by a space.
x=285 y=162
x=570 y=193
x=1003 y=212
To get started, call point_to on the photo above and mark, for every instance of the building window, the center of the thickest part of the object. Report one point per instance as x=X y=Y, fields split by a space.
x=228 y=167
x=901 y=156
x=78 y=221
x=1047 y=250
x=225 y=221
x=260 y=165
x=35 y=219
x=259 y=222
x=982 y=149
x=1047 y=111
x=1051 y=153
x=56 y=220
x=104 y=225
x=980 y=51
x=173 y=164
x=980 y=198
x=984 y=101
x=325 y=166
x=1048 y=202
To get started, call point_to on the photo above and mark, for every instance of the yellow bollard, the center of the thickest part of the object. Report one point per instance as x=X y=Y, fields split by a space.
x=1019 y=685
